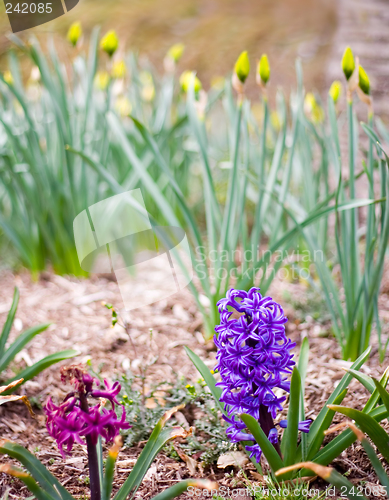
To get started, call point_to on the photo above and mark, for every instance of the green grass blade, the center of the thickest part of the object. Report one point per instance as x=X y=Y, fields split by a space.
x=19 y=343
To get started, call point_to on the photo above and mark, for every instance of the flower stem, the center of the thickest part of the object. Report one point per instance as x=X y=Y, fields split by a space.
x=266 y=422
x=94 y=476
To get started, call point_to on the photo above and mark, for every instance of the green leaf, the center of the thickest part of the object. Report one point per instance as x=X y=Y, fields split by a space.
x=39 y=472
x=345 y=381
x=289 y=439
x=335 y=447
x=376 y=463
x=363 y=379
x=368 y=425
x=207 y=376
x=267 y=448
x=44 y=363
x=9 y=322
x=317 y=436
x=383 y=393
x=19 y=343
x=23 y=476
x=302 y=366
x=159 y=437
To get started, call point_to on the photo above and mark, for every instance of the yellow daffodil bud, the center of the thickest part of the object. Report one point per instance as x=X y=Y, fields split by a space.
x=242 y=66
x=185 y=81
x=335 y=90
x=364 y=82
x=102 y=80
x=263 y=69
x=123 y=106
x=313 y=109
x=148 y=89
x=8 y=78
x=110 y=43
x=175 y=52
x=74 y=33
x=348 y=63
x=119 y=69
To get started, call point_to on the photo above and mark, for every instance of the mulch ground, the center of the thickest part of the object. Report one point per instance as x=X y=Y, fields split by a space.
x=79 y=320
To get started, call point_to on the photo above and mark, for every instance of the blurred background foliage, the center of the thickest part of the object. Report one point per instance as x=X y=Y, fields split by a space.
x=213 y=31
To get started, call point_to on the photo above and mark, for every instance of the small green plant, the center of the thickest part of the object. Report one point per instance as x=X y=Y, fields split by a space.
x=7 y=354
x=208 y=436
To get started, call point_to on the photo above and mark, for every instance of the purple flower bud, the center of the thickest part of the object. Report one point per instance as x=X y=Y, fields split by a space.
x=302 y=426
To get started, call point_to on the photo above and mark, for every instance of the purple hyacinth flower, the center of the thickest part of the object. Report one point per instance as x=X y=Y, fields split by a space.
x=74 y=419
x=254 y=359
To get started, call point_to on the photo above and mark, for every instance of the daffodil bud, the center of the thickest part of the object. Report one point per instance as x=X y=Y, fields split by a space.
x=123 y=107
x=263 y=70
x=110 y=43
x=8 y=78
x=242 y=66
x=335 y=90
x=74 y=33
x=102 y=80
x=364 y=82
x=175 y=52
x=119 y=69
x=348 y=63
x=185 y=81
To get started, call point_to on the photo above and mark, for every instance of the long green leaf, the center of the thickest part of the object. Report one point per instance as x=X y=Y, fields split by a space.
x=159 y=437
x=368 y=425
x=39 y=366
x=9 y=322
x=46 y=480
x=207 y=376
x=343 y=384
x=19 y=343
x=267 y=448
x=289 y=439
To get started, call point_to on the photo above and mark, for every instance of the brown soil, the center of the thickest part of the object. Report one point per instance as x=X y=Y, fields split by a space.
x=80 y=321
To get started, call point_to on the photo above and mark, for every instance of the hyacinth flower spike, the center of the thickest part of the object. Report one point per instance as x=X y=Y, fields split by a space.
x=254 y=360
x=75 y=421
